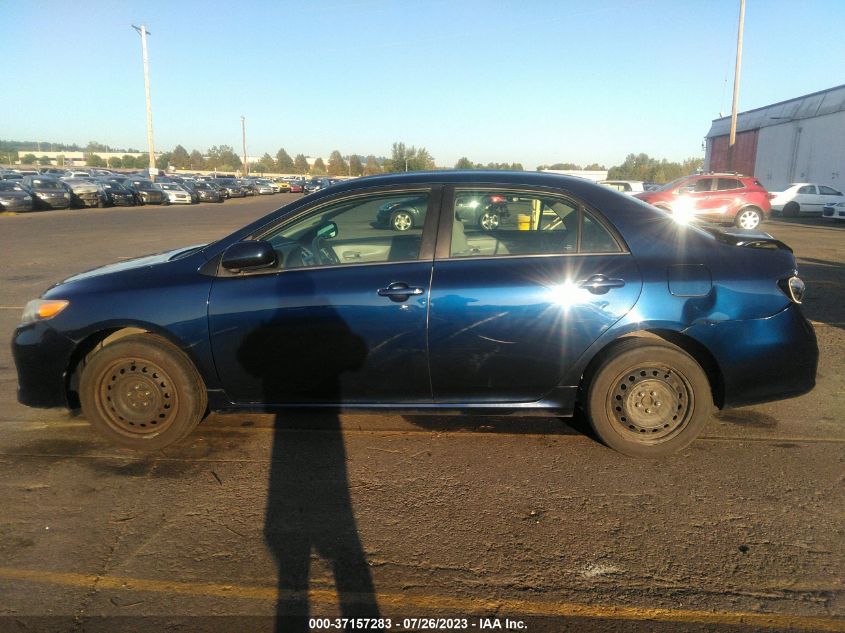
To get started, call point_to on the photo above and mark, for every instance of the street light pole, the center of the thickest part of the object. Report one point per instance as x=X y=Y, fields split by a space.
x=737 y=72
x=143 y=32
x=243 y=132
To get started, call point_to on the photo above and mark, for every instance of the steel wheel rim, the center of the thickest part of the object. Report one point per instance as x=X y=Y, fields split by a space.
x=402 y=221
x=136 y=397
x=489 y=221
x=749 y=219
x=650 y=403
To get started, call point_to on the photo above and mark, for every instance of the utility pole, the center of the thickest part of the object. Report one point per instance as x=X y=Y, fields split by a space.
x=737 y=72
x=143 y=32
x=243 y=132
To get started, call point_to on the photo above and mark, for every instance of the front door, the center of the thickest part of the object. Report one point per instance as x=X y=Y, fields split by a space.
x=341 y=319
x=512 y=308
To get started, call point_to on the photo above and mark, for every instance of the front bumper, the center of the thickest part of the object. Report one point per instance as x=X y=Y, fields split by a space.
x=42 y=357
x=16 y=205
x=830 y=212
x=762 y=359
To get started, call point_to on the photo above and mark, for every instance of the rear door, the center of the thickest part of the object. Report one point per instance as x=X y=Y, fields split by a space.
x=808 y=198
x=512 y=308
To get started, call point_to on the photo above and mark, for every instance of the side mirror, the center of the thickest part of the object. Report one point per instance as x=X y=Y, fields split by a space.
x=249 y=255
x=328 y=230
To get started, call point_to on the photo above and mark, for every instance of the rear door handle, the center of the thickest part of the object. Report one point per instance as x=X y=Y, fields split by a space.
x=600 y=284
x=399 y=291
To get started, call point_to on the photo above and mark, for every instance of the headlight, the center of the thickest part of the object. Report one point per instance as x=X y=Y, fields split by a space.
x=793 y=287
x=67 y=196
x=27 y=198
x=43 y=309
x=840 y=204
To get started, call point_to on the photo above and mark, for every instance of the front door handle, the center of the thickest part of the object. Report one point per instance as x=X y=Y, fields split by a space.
x=600 y=284
x=399 y=291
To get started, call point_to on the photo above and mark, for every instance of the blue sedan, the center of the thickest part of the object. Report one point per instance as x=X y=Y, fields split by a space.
x=577 y=297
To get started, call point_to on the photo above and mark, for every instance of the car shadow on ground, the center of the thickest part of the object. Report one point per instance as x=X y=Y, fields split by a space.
x=815 y=221
x=823 y=301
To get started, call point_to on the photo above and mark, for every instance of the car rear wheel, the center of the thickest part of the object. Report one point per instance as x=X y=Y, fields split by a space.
x=648 y=398
x=791 y=210
x=401 y=221
x=748 y=218
x=141 y=392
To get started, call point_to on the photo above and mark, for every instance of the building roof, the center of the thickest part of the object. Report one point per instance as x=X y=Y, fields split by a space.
x=806 y=107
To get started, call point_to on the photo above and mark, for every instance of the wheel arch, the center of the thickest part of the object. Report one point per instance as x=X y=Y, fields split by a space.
x=106 y=334
x=695 y=349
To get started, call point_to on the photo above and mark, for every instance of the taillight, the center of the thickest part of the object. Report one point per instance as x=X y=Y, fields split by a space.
x=771 y=196
x=497 y=198
x=793 y=287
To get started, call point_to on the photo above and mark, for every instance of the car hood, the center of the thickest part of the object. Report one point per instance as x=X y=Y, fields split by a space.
x=13 y=194
x=138 y=262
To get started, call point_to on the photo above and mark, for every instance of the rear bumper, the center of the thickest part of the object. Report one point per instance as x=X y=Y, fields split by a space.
x=762 y=359
x=42 y=357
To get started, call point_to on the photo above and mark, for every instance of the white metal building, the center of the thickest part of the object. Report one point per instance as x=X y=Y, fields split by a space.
x=799 y=140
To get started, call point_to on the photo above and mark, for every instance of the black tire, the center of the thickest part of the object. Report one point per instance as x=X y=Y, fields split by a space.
x=748 y=216
x=401 y=221
x=791 y=210
x=648 y=398
x=141 y=392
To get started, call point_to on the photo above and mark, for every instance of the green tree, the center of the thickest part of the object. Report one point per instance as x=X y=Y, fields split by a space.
x=643 y=167
x=355 y=166
x=115 y=162
x=94 y=160
x=337 y=166
x=163 y=161
x=595 y=167
x=60 y=160
x=517 y=167
x=300 y=164
x=372 y=167
x=318 y=168
x=180 y=158
x=127 y=161
x=408 y=159
x=28 y=159
x=94 y=146
x=223 y=158
x=43 y=160
x=284 y=163
x=464 y=163
x=265 y=164
x=195 y=160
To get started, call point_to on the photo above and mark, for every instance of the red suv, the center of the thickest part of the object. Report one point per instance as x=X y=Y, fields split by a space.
x=728 y=198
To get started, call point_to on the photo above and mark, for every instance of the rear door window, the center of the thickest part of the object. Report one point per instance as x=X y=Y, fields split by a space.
x=724 y=184
x=498 y=223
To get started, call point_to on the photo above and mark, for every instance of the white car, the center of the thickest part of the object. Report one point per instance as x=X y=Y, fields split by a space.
x=176 y=194
x=804 y=197
x=625 y=186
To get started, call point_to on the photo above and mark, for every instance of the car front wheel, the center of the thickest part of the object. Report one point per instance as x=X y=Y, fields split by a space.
x=748 y=218
x=141 y=392
x=648 y=398
x=489 y=221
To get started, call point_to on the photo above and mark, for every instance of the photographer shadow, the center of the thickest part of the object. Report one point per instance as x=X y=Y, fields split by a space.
x=309 y=509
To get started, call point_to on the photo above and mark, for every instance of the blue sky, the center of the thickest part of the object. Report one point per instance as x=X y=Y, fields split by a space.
x=530 y=81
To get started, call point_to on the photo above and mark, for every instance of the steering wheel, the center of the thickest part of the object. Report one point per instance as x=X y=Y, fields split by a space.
x=323 y=253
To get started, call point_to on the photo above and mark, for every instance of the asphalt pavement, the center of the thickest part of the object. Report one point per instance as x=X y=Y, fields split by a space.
x=526 y=524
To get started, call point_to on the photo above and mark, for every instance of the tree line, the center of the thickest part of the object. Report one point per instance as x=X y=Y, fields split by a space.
x=402 y=158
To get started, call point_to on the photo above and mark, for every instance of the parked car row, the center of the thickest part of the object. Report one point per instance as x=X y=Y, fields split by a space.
x=62 y=189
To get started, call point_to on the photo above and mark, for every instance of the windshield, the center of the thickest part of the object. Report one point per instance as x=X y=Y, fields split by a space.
x=672 y=184
x=39 y=183
x=5 y=185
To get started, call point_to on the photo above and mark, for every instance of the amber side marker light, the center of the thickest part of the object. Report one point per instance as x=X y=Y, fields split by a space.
x=43 y=309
